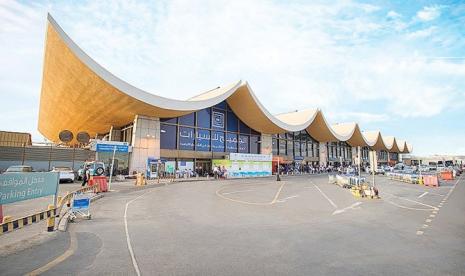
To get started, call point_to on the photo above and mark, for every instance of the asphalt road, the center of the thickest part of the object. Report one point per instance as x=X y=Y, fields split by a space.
x=299 y=226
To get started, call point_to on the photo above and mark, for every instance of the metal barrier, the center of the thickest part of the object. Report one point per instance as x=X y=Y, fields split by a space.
x=9 y=224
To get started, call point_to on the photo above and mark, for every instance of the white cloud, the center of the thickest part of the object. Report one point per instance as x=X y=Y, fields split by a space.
x=422 y=33
x=393 y=15
x=429 y=13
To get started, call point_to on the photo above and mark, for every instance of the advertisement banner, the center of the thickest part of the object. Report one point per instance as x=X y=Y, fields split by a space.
x=238 y=169
x=23 y=186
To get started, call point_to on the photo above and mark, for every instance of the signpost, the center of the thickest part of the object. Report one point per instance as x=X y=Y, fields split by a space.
x=24 y=186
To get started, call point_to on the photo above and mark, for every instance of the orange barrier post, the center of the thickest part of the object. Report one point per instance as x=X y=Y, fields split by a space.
x=101 y=181
x=447 y=175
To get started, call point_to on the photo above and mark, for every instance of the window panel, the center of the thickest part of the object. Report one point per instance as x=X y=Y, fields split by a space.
x=274 y=146
x=231 y=142
x=217 y=140
x=243 y=128
x=186 y=138
x=282 y=147
x=202 y=142
x=169 y=120
x=254 y=144
x=204 y=118
x=167 y=136
x=232 y=122
x=244 y=143
x=187 y=120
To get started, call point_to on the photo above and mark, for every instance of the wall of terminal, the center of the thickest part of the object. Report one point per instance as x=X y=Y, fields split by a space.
x=215 y=129
x=295 y=144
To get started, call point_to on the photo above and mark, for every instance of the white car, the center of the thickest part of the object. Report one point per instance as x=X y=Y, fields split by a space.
x=66 y=174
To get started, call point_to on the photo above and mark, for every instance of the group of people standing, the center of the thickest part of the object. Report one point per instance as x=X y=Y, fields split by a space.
x=315 y=169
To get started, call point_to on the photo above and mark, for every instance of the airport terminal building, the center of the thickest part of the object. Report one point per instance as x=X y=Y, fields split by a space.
x=79 y=95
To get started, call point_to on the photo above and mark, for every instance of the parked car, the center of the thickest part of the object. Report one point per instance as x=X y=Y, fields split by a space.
x=66 y=173
x=95 y=169
x=19 y=169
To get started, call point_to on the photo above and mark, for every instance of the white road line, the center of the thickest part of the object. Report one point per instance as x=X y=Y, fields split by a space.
x=235 y=192
x=128 y=239
x=285 y=199
x=423 y=194
x=329 y=200
x=417 y=202
x=419 y=233
x=347 y=208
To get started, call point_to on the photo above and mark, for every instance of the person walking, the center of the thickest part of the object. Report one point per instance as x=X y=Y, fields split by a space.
x=85 y=176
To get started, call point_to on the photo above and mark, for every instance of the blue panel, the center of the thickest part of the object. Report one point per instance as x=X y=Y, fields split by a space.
x=167 y=136
x=217 y=139
x=221 y=105
x=187 y=120
x=218 y=119
x=243 y=128
x=232 y=122
x=204 y=118
x=202 y=142
x=231 y=142
x=186 y=138
x=244 y=143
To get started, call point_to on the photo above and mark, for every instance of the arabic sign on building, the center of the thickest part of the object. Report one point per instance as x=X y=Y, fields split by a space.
x=23 y=186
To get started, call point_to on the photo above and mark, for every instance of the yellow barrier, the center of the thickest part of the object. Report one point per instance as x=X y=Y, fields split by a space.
x=9 y=224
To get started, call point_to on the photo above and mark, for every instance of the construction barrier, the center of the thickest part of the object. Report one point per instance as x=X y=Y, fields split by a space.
x=431 y=180
x=447 y=175
x=9 y=224
x=100 y=181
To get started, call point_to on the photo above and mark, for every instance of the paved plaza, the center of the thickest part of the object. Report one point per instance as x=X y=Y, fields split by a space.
x=299 y=226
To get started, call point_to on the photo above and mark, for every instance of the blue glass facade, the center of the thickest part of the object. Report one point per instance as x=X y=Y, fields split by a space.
x=215 y=129
x=297 y=144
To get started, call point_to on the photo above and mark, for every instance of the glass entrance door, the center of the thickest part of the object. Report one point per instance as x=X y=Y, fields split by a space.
x=203 y=167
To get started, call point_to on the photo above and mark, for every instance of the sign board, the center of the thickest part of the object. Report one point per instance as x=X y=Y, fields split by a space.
x=250 y=157
x=238 y=169
x=81 y=202
x=23 y=186
x=110 y=148
x=217 y=120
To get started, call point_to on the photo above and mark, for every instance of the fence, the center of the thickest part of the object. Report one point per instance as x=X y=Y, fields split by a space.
x=43 y=157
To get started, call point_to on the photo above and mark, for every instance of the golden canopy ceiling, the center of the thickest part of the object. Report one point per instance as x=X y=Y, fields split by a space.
x=80 y=95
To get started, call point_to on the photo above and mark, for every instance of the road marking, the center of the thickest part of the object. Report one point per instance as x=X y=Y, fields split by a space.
x=420 y=232
x=432 y=216
x=128 y=239
x=235 y=192
x=425 y=226
x=428 y=220
x=218 y=193
x=327 y=198
x=435 y=212
x=347 y=208
x=423 y=194
x=417 y=202
x=285 y=199
x=405 y=207
x=277 y=194
x=69 y=252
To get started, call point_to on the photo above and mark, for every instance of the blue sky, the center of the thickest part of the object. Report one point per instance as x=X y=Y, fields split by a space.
x=394 y=66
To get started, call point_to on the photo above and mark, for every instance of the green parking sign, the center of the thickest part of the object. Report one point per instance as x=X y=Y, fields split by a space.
x=23 y=186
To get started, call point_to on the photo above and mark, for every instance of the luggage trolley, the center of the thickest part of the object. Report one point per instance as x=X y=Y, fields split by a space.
x=81 y=206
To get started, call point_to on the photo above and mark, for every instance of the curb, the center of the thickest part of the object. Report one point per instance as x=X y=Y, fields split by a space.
x=63 y=223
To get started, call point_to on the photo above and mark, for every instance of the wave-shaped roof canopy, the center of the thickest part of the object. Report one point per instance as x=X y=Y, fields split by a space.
x=80 y=95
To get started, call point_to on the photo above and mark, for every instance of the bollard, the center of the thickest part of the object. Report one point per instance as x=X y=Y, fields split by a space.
x=59 y=199
x=51 y=219
x=68 y=199
x=7 y=219
x=1 y=213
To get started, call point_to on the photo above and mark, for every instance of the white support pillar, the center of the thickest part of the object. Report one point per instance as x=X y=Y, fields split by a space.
x=266 y=144
x=323 y=153
x=354 y=156
x=145 y=142
x=373 y=157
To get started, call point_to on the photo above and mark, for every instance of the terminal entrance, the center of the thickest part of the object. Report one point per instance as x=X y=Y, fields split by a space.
x=203 y=166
